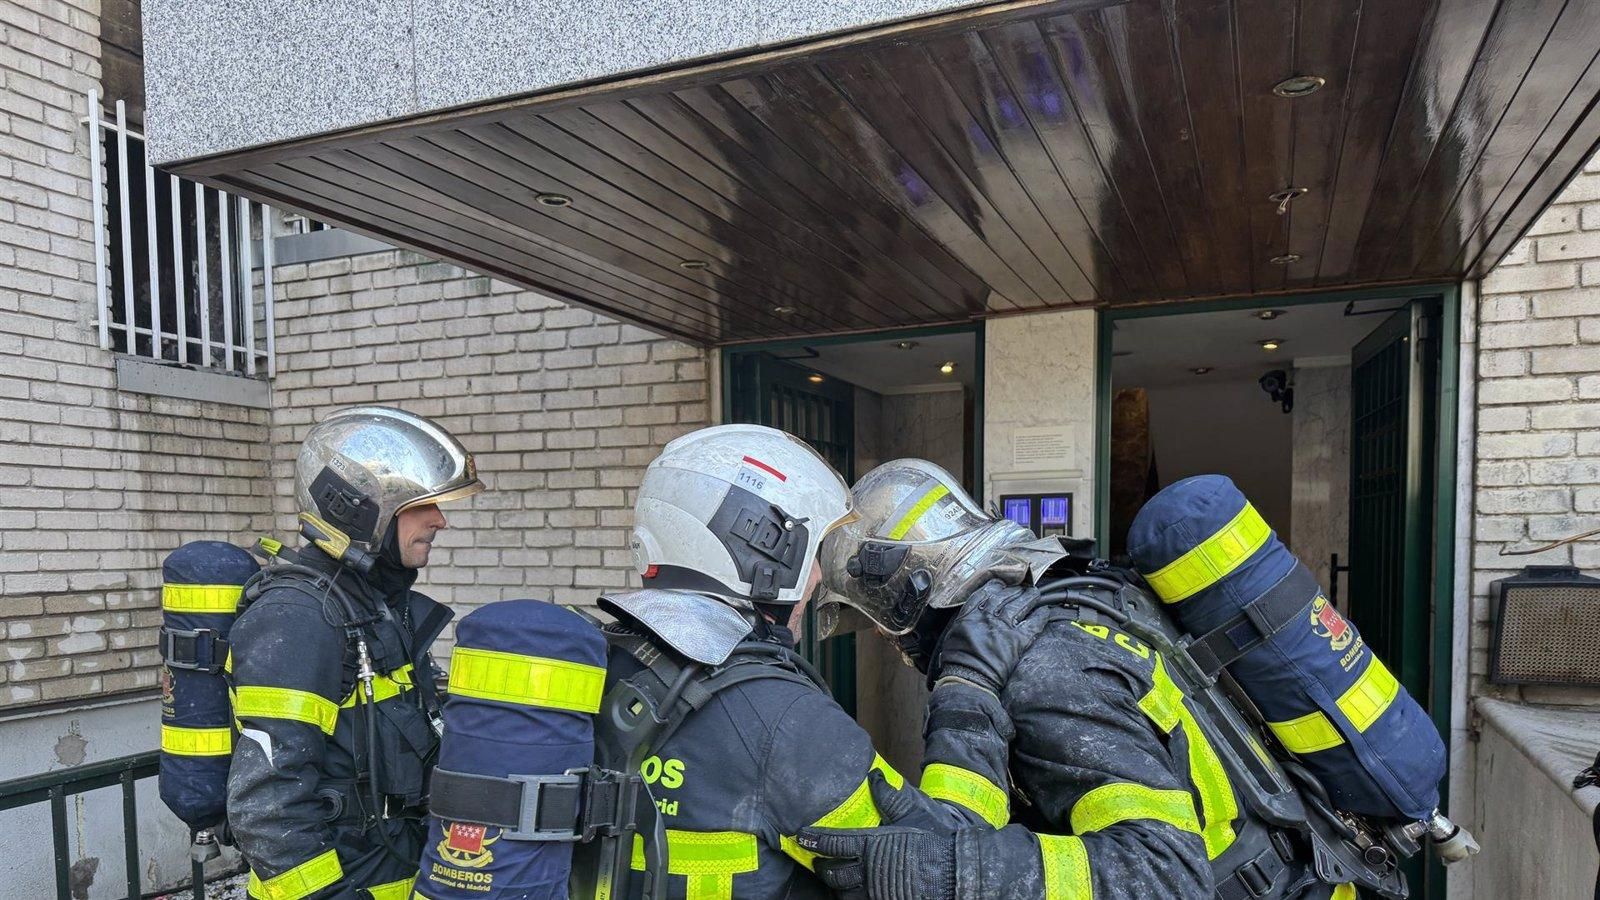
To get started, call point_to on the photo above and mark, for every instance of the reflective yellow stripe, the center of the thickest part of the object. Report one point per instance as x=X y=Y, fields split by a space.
x=301 y=881
x=200 y=598
x=394 y=890
x=1066 y=868
x=1307 y=734
x=254 y=701
x=529 y=680
x=914 y=513
x=857 y=811
x=1370 y=696
x=1109 y=804
x=383 y=687
x=1345 y=892
x=1218 y=807
x=967 y=789
x=1206 y=563
x=196 y=741
x=707 y=859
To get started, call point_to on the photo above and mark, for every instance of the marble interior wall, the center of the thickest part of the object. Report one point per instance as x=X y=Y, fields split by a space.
x=1320 y=483
x=1230 y=428
x=891 y=696
x=1039 y=371
x=931 y=426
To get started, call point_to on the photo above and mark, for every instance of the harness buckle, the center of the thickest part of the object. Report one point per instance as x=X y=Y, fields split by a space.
x=193 y=650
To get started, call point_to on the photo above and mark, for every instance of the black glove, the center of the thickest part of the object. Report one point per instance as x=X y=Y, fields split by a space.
x=899 y=860
x=989 y=635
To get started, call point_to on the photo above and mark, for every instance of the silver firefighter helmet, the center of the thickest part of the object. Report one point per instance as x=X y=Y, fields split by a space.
x=359 y=468
x=736 y=512
x=919 y=542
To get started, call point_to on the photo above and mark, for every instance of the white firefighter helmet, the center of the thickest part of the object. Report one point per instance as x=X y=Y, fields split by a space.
x=738 y=512
x=919 y=542
x=360 y=467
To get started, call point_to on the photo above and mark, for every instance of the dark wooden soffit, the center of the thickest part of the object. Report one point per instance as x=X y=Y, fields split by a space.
x=1028 y=157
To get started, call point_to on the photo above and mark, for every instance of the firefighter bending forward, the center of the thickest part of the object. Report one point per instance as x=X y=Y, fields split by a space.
x=727 y=528
x=330 y=661
x=1125 y=796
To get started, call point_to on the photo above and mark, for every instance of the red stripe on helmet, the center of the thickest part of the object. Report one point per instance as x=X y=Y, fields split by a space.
x=766 y=468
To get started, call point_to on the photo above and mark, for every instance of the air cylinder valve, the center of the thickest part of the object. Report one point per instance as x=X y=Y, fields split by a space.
x=1452 y=842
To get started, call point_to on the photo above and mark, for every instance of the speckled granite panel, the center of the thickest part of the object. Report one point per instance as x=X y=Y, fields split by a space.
x=472 y=51
x=226 y=76
x=223 y=76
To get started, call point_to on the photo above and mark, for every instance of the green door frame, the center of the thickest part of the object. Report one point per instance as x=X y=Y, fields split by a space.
x=1444 y=445
x=976 y=329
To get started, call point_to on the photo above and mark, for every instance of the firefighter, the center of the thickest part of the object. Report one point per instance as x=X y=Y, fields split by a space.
x=727 y=528
x=1123 y=795
x=333 y=684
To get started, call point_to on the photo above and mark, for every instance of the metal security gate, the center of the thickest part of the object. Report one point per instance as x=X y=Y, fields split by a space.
x=1394 y=412
x=1393 y=406
x=766 y=390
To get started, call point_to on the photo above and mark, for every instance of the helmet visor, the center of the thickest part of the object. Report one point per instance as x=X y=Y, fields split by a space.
x=920 y=542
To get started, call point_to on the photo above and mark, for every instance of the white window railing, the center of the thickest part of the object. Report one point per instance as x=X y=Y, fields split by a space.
x=183 y=287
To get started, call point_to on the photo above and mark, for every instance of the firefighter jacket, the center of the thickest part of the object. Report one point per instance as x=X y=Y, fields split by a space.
x=1119 y=794
x=759 y=761
x=299 y=805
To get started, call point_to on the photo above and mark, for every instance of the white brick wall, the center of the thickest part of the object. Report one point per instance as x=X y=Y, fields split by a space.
x=1538 y=441
x=562 y=408
x=95 y=485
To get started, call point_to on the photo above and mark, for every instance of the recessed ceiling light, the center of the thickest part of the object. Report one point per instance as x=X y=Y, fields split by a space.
x=1271 y=344
x=947 y=368
x=783 y=310
x=1201 y=370
x=554 y=199
x=1285 y=259
x=814 y=378
x=905 y=345
x=1267 y=315
x=693 y=264
x=1283 y=197
x=1299 y=86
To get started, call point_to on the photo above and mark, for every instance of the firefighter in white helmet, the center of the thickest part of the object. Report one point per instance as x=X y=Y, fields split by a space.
x=726 y=534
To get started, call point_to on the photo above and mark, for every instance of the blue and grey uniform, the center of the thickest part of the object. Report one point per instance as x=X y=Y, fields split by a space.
x=299 y=786
x=1108 y=783
x=758 y=761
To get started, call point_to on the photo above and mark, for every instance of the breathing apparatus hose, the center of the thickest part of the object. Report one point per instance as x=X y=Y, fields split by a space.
x=1064 y=588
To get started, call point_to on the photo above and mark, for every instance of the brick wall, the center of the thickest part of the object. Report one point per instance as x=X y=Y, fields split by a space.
x=1538 y=441
x=562 y=408
x=97 y=485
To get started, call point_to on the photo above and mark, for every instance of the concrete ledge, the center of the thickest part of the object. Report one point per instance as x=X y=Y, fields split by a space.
x=1559 y=741
x=146 y=376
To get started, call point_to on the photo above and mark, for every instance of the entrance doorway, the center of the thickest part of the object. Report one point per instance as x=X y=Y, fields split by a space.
x=1332 y=415
x=862 y=401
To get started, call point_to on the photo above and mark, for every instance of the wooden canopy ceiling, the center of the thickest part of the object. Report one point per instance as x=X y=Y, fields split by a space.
x=1017 y=157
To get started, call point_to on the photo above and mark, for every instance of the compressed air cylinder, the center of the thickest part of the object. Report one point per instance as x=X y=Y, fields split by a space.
x=1208 y=555
x=525 y=680
x=200 y=589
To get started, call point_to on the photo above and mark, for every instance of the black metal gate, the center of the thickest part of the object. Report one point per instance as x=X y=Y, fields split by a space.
x=1394 y=412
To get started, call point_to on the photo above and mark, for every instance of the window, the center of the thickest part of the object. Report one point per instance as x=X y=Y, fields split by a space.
x=175 y=279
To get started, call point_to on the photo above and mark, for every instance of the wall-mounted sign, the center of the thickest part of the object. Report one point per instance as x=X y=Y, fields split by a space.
x=1050 y=447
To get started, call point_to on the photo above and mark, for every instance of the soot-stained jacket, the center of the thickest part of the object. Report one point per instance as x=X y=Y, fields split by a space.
x=298 y=803
x=1118 y=793
x=761 y=760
